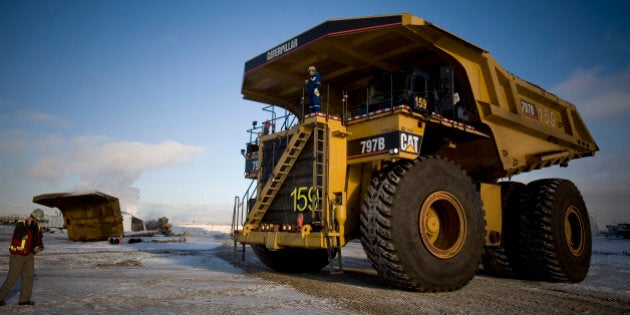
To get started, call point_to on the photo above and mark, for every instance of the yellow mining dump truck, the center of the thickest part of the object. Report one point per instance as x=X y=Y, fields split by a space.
x=418 y=131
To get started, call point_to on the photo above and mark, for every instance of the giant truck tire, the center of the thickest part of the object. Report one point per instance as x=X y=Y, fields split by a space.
x=500 y=261
x=422 y=225
x=555 y=234
x=292 y=260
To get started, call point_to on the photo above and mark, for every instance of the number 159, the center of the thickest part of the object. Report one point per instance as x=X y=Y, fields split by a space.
x=305 y=197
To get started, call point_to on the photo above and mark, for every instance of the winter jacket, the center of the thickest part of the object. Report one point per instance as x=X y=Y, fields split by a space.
x=27 y=239
x=314 y=82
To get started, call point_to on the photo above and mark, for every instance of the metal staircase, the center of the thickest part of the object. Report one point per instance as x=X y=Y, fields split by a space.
x=279 y=175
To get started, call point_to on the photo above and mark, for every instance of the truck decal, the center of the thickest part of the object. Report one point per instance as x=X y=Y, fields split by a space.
x=542 y=114
x=280 y=50
x=529 y=110
x=305 y=197
x=251 y=166
x=391 y=142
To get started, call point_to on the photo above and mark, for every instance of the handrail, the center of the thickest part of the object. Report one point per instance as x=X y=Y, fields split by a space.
x=241 y=207
x=235 y=212
x=288 y=119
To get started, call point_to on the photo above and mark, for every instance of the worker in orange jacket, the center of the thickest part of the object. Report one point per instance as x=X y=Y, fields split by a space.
x=26 y=242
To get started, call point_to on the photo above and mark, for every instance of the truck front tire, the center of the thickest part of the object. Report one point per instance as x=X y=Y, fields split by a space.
x=422 y=225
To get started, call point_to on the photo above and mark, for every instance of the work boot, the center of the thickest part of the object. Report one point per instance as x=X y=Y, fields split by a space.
x=2 y=303
x=26 y=303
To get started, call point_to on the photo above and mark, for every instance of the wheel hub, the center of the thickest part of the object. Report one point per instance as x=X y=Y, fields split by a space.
x=442 y=225
x=574 y=231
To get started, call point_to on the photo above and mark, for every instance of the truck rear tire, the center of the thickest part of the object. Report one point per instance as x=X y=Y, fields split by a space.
x=292 y=260
x=422 y=225
x=500 y=261
x=555 y=233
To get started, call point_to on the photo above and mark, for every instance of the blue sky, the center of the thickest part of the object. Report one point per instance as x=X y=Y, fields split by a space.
x=141 y=99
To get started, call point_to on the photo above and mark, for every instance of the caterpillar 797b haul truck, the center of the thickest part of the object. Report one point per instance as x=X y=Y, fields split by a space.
x=418 y=134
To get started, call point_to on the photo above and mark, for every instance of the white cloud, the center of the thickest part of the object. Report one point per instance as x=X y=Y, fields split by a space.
x=30 y=119
x=111 y=167
x=597 y=94
x=41 y=118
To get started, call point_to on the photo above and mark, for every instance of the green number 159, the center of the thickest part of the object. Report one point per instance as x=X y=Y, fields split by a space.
x=305 y=197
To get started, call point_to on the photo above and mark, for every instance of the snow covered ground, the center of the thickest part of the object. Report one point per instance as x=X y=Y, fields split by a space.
x=151 y=278
x=197 y=277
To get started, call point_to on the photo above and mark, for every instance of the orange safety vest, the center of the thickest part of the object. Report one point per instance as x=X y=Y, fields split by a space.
x=22 y=245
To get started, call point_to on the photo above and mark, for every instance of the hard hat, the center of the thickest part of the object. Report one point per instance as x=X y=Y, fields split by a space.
x=38 y=214
x=311 y=68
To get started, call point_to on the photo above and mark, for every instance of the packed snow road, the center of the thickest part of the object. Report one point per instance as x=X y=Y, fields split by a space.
x=606 y=290
x=197 y=277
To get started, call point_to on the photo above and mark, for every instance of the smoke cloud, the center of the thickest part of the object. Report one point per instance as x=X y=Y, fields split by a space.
x=92 y=163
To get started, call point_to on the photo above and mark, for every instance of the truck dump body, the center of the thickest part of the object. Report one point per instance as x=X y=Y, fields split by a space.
x=88 y=216
x=529 y=127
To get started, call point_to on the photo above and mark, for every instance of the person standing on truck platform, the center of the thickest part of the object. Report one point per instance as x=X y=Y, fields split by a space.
x=26 y=242
x=266 y=127
x=314 y=85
